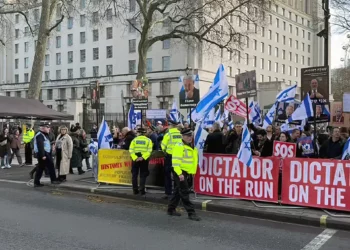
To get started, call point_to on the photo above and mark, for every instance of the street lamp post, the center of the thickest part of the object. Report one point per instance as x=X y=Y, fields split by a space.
x=84 y=99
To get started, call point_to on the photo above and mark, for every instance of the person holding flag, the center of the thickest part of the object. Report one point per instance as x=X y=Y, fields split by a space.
x=140 y=151
x=184 y=164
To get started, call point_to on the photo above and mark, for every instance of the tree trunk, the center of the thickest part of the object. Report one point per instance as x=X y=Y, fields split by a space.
x=40 y=51
x=142 y=65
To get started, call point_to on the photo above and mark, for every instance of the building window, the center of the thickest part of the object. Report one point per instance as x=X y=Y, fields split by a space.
x=290 y=56
x=70 y=56
x=70 y=73
x=82 y=4
x=16 y=63
x=62 y=93
x=277 y=23
x=270 y=19
x=246 y=59
x=17 y=18
x=309 y=36
x=18 y=94
x=82 y=55
x=95 y=17
x=95 y=35
x=82 y=37
x=269 y=50
x=229 y=71
x=296 y=58
x=308 y=61
x=58 y=58
x=17 y=33
x=262 y=61
x=109 y=70
x=109 y=51
x=276 y=52
x=132 y=23
x=261 y=78
x=82 y=20
x=276 y=67
x=263 y=31
x=95 y=71
x=47 y=75
x=303 y=46
x=254 y=61
x=149 y=64
x=269 y=65
x=132 y=66
x=70 y=40
x=26 y=46
x=290 y=70
x=255 y=44
x=16 y=78
x=26 y=62
x=165 y=63
x=109 y=14
x=309 y=48
x=58 y=28
x=95 y=53
x=8 y=93
x=283 y=54
x=297 y=31
x=82 y=72
x=302 y=60
x=17 y=48
x=73 y=93
x=277 y=38
x=269 y=78
x=284 y=40
x=26 y=31
x=283 y=69
x=296 y=72
x=70 y=22
x=102 y=91
x=47 y=60
x=58 y=74
x=132 y=45
x=290 y=29
x=58 y=42
x=166 y=44
x=303 y=33
x=132 y=5
x=26 y=77
x=262 y=46
x=290 y=42
x=109 y=32
x=270 y=34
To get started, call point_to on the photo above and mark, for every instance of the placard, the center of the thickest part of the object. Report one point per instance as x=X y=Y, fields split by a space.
x=338 y=117
x=284 y=149
x=236 y=106
x=140 y=104
x=189 y=94
x=246 y=84
x=315 y=81
x=346 y=102
x=156 y=114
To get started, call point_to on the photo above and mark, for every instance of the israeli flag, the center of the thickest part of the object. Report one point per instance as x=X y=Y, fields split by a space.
x=230 y=125
x=270 y=116
x=255 y=113
x=174 y=112
x=209 y=119
x=287 y=95
x=224 y=117
x=93 y=148
x=346 y=150
x=104 y=135
x=134 y=117
x=304 y=111
x=286 y=128
x=245 y=152
x=200 y=135
x=217 y=92
x=325 y=110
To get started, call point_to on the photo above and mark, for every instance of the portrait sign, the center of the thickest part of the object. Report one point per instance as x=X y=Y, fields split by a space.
x=246 y=84
x=140 y=91
x=315 y=81
x=338 y=117
x=189 y=91
x=95 y=94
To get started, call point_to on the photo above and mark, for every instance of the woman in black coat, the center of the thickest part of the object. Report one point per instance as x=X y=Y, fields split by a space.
x=77 y=156
x=84 y=144
x=5 y=150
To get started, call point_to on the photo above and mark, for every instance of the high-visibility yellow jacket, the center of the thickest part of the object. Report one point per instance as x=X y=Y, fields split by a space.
x=141 y=144
x=185 y=158
x=28 y=136
x=170 y=139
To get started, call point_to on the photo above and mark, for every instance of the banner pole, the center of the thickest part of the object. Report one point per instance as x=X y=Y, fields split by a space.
x=246 y=103
x=315 y=128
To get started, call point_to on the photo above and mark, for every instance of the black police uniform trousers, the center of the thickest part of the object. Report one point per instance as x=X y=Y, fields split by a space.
x=142 y=168
x=181 y=191
x=42 y=164
x=28 y=154
x=167 y=174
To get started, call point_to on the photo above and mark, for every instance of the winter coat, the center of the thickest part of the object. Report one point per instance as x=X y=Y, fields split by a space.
x=128 y=138
x=215 y=143
x=67 y=152
x=84 y=147
x=5 y=149
x=76 y=160
x=15 y=142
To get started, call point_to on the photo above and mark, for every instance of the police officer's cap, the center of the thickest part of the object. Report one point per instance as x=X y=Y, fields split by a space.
x=171 y=122
x=141 y=131
x=45 y=124
x=187 y=131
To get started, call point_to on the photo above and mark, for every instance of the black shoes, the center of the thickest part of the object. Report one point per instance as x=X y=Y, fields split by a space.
x=173 y=213
x=38 y=185
x=194 y=217
x=55 y=182
x=136 y=191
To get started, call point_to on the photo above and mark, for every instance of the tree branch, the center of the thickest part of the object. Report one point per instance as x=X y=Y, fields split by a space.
x=2 y=42
x=55 y=26
x=18 y=12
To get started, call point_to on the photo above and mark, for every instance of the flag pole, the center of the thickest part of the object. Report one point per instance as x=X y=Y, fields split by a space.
x=315 y=124
x=247 y=108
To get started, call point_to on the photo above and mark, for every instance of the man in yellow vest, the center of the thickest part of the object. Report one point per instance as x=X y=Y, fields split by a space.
x=172 y=137
x=185 y=163
x=27 y=139
x=140 y=151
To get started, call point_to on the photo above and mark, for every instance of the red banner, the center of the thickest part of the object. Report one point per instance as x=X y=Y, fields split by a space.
x=321 y=183
x=226 y=176
x=284 y=149
x=236 y=106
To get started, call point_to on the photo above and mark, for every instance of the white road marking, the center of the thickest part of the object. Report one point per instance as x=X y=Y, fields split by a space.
x=320 y=240
x=10 y=181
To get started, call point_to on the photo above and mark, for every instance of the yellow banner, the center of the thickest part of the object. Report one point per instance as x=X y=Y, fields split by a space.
x=114 y=166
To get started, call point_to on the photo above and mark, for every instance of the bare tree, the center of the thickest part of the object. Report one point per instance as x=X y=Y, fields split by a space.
x=340 y=82
x=224 y=24
x=341 y=15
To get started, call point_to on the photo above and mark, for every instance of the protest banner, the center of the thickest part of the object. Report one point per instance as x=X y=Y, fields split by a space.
x=320 y=183
x=307 y=146
x=226 y=176
x=284 y=149
x=236 y=106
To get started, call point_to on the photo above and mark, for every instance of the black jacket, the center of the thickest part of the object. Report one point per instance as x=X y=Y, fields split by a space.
x=332 y=150
x=215 y=143
x=40 y=144
x=128 y=138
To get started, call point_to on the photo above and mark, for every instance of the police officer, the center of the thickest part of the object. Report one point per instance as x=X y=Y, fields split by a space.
x=172 y=137
x=140 y=151
x=184 y=162
x=42 y=149
x=27 y=139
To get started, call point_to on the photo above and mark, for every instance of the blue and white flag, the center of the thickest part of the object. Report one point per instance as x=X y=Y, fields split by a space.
x=200 y=135
x=174 y=112
x=346 y=150
x=270 y=116
x=189 y=116
x=224 y=118
x=255 y=113
x=287 y=95
x=209 y=119
x=325 y=110
x=217 y=92
x=304 y=111
x=104 y=135
x=289 y=129
x=93 y=148
x=245 y=152
x=230 y=125
x=134 y=117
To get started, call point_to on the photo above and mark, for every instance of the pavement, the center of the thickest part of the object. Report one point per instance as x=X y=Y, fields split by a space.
x=49 y=219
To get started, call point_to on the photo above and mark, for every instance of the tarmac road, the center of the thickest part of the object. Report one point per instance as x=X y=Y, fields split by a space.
x=43 y=219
